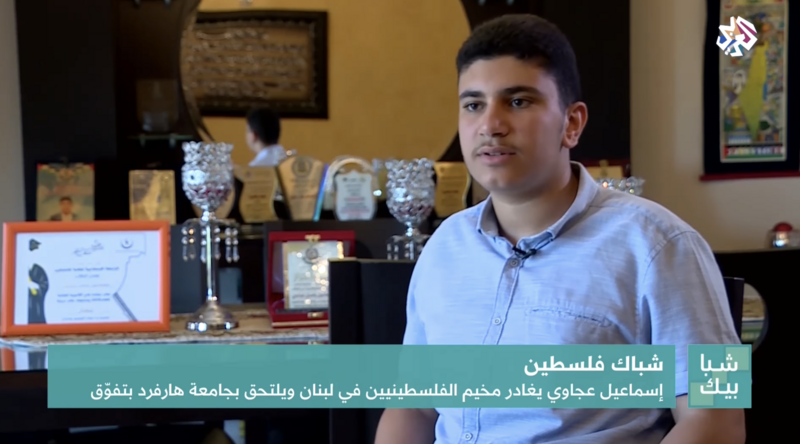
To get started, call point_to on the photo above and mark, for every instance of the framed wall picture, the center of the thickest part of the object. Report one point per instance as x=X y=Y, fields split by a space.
x=747 y=97
x=234 y=61
x=65 y=192
x=85 y=277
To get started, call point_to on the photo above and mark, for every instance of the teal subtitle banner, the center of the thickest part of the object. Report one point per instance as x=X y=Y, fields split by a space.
x=720 y=376
x=360 y=376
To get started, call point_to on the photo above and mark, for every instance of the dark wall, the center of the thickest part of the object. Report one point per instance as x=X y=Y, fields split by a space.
x=79 y=66
x=600 y=35
x=66 y=67
x=599 y=32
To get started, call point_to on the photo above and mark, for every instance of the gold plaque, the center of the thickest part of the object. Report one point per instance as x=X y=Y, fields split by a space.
x=257 y=201
x=152 y=195
x=379 y=166
x=479 y=193
x=301 y=179
x=305 y=268
x=452 y=186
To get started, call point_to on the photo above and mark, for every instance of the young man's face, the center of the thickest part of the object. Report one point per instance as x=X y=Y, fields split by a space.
x=66 y=206
x=511 y=125
x=251 y=139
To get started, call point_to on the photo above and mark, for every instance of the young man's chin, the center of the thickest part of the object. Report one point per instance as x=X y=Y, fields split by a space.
x=500 y=182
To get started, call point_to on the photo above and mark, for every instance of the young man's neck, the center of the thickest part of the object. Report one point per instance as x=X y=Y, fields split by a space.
x=519 y=218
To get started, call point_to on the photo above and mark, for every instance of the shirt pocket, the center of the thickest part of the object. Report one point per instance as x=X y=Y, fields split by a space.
x=550 y=324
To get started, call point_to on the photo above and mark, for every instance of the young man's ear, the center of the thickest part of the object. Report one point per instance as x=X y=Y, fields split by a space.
x=575 y=121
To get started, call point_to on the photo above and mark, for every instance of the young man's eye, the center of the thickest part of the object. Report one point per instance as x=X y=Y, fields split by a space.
x=471 y=106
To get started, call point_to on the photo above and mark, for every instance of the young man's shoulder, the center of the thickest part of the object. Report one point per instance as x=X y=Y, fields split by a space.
x=456 y=232
x=641 y=209
x=639 y=214
x=460 y=223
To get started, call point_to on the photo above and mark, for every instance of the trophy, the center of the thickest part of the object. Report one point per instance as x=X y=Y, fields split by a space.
x=258 y=195
x=630 y=185
x=379 y=170
x=350 y=185
x=208 y=181
x=410 y=191
x=453 y=183
x=783 y=235
x=301 y=180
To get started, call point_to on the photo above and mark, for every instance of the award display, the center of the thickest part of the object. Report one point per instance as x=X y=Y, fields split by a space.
x=152 y=195
x=257 y=201
x=382 y=175
x=298 y=284
x=410 y=193
x=207 y=176
x=305 y=268
x=301 y=180
x=479 y=193
x=85 y=277
x=605 y=171
x=223 y=211
x=329 y=196
x=452 y=186
x=353 y=185
x=614 y=179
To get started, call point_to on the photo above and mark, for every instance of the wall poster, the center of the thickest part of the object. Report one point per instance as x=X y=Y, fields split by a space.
x=753 y=108
x=747 y=99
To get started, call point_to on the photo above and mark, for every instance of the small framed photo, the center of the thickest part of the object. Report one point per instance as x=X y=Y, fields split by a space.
x=297 y=274
x=85 y=277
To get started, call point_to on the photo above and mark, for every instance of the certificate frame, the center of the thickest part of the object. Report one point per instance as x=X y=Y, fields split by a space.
x=280 y=316
x=8 y=327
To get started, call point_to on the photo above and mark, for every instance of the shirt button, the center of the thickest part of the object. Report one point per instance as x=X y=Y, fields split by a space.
x=498 y=321
x=468 y=436
x=513 y=262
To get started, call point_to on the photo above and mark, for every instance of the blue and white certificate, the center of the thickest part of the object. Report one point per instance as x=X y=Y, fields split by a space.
x=87 y=277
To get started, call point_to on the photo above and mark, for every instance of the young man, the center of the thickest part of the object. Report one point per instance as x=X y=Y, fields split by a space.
x=66 y=214
x=552 y=258
x=263 y=135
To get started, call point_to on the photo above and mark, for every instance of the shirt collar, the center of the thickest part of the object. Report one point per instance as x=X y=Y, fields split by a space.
x=587 y=190
x=264 y=156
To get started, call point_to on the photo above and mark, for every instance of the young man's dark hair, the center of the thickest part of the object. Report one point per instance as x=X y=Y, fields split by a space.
x=65 y=199
x=265 y=124
x=529 y=38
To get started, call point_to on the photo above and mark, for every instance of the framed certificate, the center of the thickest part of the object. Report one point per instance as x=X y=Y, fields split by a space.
x=85 y=277
x=297 y=274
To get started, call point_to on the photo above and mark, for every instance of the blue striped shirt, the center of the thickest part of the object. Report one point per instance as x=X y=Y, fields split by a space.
x=615 y=269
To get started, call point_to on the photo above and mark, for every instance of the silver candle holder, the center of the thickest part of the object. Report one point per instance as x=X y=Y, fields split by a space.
x=410 y=191
x=630 y=185
x=207 y=176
